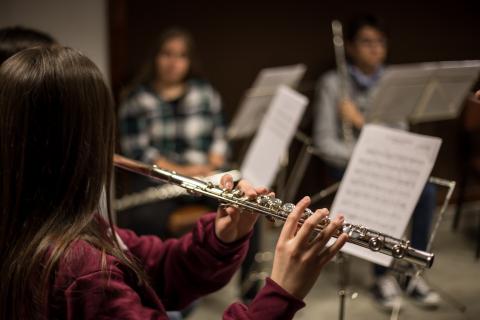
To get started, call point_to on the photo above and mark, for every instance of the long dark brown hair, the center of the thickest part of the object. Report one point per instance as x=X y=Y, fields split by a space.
x=56 y=147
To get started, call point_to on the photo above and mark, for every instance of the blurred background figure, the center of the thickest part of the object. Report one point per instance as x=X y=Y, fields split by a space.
x=366 y=49
x=171 y=117
x=17 y=38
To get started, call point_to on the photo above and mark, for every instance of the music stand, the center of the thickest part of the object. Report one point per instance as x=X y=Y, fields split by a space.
x=410 y=92
x=422 y=92
x=417 y=93
x=250 y=115
x=257 y=99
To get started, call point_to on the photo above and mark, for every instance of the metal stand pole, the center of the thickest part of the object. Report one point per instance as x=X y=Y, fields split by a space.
x=299 y=167
x=450 y=185
x=343 y=282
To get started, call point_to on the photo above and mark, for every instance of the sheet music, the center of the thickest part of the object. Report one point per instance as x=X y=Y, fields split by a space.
x=274 y=136
x=383 y=182
x=258 y=98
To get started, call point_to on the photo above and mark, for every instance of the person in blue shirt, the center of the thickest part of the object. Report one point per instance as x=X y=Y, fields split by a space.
x=366 y=48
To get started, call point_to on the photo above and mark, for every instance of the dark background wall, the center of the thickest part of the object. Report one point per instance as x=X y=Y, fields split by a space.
x=235 y=39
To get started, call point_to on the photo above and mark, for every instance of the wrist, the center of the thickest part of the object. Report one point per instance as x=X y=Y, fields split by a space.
x=233 y=241
x=278 y=287
x=226 y=249
x=273 y=302
x=229 y=236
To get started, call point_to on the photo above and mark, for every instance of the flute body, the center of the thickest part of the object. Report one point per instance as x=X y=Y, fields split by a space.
x=275 y=209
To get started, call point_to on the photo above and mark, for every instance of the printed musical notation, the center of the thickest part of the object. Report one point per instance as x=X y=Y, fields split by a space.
x=383 y=182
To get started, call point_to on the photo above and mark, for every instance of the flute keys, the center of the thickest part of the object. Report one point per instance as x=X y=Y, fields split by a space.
x=375 y=244
x=276 y=204
x=362 y=231
x=308 y=212
x=398 y=251
x=263 y=200
x=347 y=228
x=324 y=222
x=354 y=232
x=237 y=193
x=288 y=207
x=270 y=202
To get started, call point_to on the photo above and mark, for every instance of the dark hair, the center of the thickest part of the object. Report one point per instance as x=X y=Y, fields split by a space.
x=356 y=23
x=15 y=39
x=147 y=72
x=56 y=148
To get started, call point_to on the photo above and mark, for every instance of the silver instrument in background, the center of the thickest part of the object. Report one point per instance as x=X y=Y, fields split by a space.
x=163 y=192
x=275 y=209
x=341 y=62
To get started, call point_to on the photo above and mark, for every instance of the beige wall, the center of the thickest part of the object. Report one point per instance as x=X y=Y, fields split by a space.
x=78 y=24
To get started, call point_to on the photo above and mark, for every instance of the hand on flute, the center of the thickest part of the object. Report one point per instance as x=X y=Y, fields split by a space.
x=350 y=113
x=299 y=259
x=230 y=223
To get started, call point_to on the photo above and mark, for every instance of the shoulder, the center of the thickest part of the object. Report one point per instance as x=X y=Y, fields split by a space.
x=201 y=91
x=199 y=84
x=84 y=260
x=202 y=85
x=139 y=100
x=95 y=285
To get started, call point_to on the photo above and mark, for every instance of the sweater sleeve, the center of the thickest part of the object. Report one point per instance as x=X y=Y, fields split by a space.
x=184 y=269
x=107 y=295
x=333 y=149
x=89 y=298
x=272 y=302
x=91 y=285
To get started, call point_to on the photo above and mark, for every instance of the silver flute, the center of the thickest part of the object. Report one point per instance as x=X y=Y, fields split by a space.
x=275 y=209
x=341 y=62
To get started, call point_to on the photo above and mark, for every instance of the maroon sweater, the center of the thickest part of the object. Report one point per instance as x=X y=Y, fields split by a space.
x=180 y=271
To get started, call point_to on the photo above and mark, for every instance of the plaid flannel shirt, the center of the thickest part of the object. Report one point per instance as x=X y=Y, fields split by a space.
x=184 y=132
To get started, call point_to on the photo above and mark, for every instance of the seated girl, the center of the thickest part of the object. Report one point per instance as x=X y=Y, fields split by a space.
x=60 y=259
